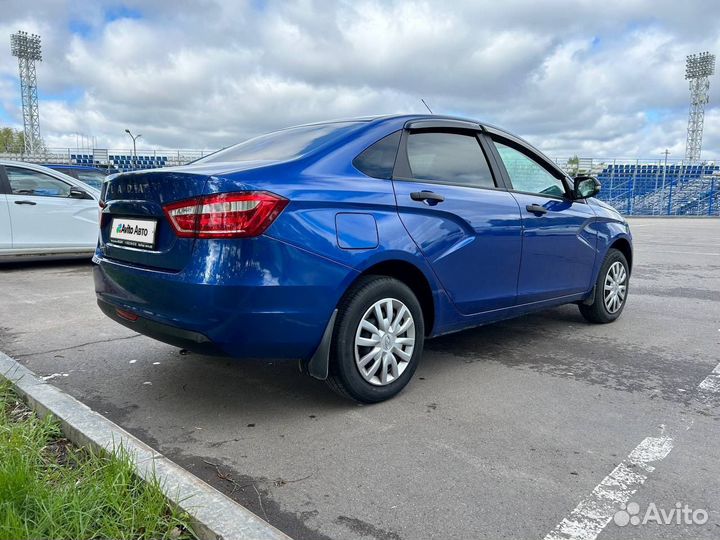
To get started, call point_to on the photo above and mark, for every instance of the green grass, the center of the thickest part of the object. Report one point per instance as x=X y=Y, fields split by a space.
x=50 y=488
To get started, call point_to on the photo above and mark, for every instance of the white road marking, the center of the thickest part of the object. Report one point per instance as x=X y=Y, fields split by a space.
x=462 y=455
x=711 y=383
x=686 y=252
x=591 y=516
x=54 y=376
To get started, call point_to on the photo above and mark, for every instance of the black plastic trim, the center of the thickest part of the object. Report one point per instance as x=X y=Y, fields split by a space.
x=438 y=123
x=185 y=339
x=4 y=182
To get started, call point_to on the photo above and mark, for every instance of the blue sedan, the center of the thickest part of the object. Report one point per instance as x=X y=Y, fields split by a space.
x=346 y=244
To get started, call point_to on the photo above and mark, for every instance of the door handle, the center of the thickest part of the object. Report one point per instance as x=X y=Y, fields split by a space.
x=536 y=209
x=31 y=203
x=429 y=197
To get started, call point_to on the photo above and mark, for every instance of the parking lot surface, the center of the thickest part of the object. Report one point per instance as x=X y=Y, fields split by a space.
x=504 y=431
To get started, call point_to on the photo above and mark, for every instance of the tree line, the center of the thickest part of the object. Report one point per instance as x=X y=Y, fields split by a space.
x=12 y=140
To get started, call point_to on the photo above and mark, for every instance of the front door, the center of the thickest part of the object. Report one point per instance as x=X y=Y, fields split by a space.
x=467 y=227
x=559 y=242
x=44 y=216
x=5 y=228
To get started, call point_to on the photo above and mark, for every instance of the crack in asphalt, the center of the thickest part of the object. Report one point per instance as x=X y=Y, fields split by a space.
x=110 y=340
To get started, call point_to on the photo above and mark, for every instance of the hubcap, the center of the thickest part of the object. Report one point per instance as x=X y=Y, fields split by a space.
x=384 y=341
x=615 y=287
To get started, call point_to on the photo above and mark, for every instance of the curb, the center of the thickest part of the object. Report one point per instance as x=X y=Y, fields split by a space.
x=214 y=516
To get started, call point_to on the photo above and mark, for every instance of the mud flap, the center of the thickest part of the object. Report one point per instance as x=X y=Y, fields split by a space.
x=319 y=365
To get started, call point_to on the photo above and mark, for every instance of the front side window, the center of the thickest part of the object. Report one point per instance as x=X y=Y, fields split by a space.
x=527 y=175
x=33 y=183
x=448 y=158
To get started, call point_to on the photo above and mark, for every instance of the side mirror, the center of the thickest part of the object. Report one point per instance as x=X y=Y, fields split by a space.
x=77 y=193
x=585 y=187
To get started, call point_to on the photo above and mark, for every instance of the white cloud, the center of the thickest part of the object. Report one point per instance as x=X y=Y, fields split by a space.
x=571 y=76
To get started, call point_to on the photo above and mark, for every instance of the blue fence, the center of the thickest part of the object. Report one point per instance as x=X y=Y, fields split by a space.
x=658 y=189
x=122 y=162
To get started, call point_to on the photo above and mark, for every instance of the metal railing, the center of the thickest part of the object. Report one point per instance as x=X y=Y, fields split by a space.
x=641 y=187
x=653 y=187
x=122 y=159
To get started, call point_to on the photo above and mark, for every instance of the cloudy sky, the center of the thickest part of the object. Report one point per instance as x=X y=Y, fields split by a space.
x=594 y=78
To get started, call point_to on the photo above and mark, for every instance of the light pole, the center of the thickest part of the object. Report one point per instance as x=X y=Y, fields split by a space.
x=664 y=176
x=28 y=50
x=134 y=138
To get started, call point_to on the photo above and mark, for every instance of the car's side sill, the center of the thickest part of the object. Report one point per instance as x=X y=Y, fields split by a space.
x=497 y=315
x=15 y=255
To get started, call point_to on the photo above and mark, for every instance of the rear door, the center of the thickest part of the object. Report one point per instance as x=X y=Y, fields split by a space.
x=44 y=216
x=463 y=220
x=559 y=243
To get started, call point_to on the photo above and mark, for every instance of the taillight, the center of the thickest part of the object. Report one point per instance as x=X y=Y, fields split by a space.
x=225 y=215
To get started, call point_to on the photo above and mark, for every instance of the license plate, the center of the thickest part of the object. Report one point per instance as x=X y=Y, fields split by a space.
x=139 y=233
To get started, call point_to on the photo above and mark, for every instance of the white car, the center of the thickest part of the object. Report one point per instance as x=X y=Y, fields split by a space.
x=45 y=213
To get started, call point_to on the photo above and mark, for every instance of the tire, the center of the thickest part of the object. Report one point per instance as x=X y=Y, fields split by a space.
x=353 y=370
x=603 y=309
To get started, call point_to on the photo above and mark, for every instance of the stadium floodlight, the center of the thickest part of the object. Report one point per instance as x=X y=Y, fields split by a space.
x=26 y=47
x=698 y=69
x=700 y=65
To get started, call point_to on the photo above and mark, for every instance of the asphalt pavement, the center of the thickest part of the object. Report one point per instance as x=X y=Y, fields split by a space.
x=504 y=432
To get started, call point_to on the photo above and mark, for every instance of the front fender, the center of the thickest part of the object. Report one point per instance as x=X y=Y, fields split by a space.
x=609 y=230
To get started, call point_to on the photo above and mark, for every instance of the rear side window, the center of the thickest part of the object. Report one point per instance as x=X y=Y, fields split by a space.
x=378 y=160
x=448 y=158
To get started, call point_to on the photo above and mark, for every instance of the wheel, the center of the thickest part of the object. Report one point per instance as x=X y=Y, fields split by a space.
x=611 y=289
x=377 y=340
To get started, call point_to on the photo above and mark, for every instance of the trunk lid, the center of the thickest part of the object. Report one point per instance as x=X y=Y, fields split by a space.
x=138 y=198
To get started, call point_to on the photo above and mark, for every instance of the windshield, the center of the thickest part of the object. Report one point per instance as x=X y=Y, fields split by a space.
x=282 y=145
x=91 y=178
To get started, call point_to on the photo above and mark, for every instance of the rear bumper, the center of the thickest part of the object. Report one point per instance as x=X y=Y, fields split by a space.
x=185 y=339
x=262 y=298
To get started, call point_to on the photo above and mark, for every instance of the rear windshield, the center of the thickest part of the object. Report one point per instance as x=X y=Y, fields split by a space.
x=282 y=145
